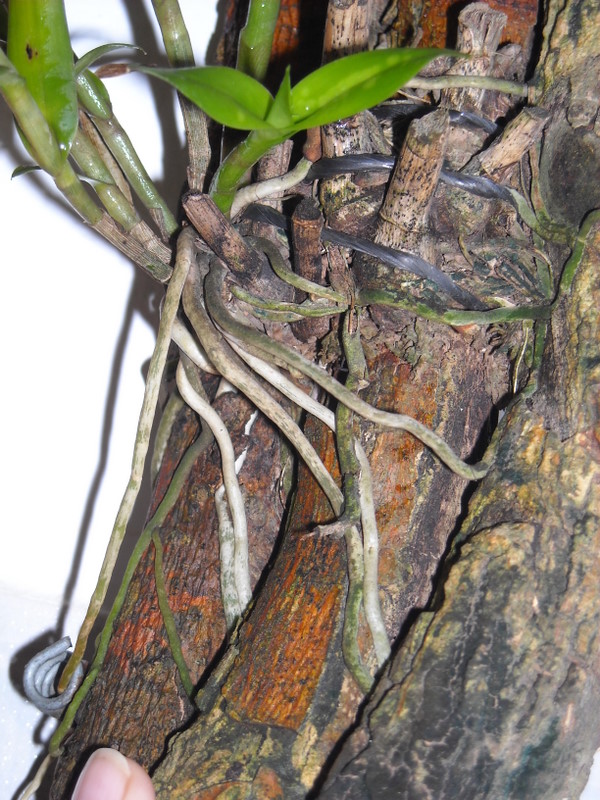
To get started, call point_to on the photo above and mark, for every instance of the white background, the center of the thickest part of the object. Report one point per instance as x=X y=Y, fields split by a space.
x=76 y=328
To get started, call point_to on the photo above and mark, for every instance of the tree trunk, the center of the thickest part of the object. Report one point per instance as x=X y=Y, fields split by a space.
x=488 y=592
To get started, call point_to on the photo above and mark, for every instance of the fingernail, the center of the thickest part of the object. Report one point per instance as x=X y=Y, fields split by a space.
x=105 y=776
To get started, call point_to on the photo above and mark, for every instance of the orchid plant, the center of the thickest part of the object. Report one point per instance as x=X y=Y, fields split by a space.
x=66 y=121
x=45 y=89
x=65 y=118
x=333 y=92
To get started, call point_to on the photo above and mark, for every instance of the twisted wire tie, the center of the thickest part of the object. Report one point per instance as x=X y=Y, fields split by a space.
x=40 y=676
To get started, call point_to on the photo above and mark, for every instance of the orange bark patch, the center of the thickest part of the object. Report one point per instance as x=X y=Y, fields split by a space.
x=286 y=640
x=286 y=656
x=285 y=40
x=137 y=637
x=266 y=785
x=228 y=790
x=394 y=479
x=438 y=19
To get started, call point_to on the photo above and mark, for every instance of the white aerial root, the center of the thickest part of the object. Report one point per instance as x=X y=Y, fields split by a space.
x=235 y=500
x=258 y=191
x=32 y=787
x=230 y=368
x=190 y=346
x=385 y=418
x=229 y=595
x=373 y=612
x=371 y=558
x=287 y=387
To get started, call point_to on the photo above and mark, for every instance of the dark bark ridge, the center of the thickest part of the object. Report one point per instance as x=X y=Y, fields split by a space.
x=494 y=693
x=497 y=693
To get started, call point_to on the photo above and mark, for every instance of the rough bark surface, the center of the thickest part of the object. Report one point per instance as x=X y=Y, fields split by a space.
x=496 y=693
x=493 y=688
x=140 y=690
x=496 y=690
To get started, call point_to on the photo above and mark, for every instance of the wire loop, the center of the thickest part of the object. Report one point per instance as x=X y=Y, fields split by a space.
x=40 y=674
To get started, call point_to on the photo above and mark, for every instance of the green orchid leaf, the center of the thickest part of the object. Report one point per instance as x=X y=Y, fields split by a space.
x=356 y=82
x=228 y=96
x=39 y=47
x=24 y=169
x=93 y=55
x=280 y=113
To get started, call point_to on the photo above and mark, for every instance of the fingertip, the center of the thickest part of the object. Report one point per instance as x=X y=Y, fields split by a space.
x=109 y=775
x=139 y=786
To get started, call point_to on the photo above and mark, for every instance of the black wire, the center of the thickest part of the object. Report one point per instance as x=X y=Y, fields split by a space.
x=403 y=110
x=330 y=167
x=477 y=185
x=257 y=212
x=407 y=262
x=397 y=258
x=474 y=184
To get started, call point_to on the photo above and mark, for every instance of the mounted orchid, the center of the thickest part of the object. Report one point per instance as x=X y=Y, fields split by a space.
x=45 y=87
x=333 y=92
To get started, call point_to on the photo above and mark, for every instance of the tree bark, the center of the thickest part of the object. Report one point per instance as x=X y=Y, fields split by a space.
x=496 y=692
x=488 y=593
